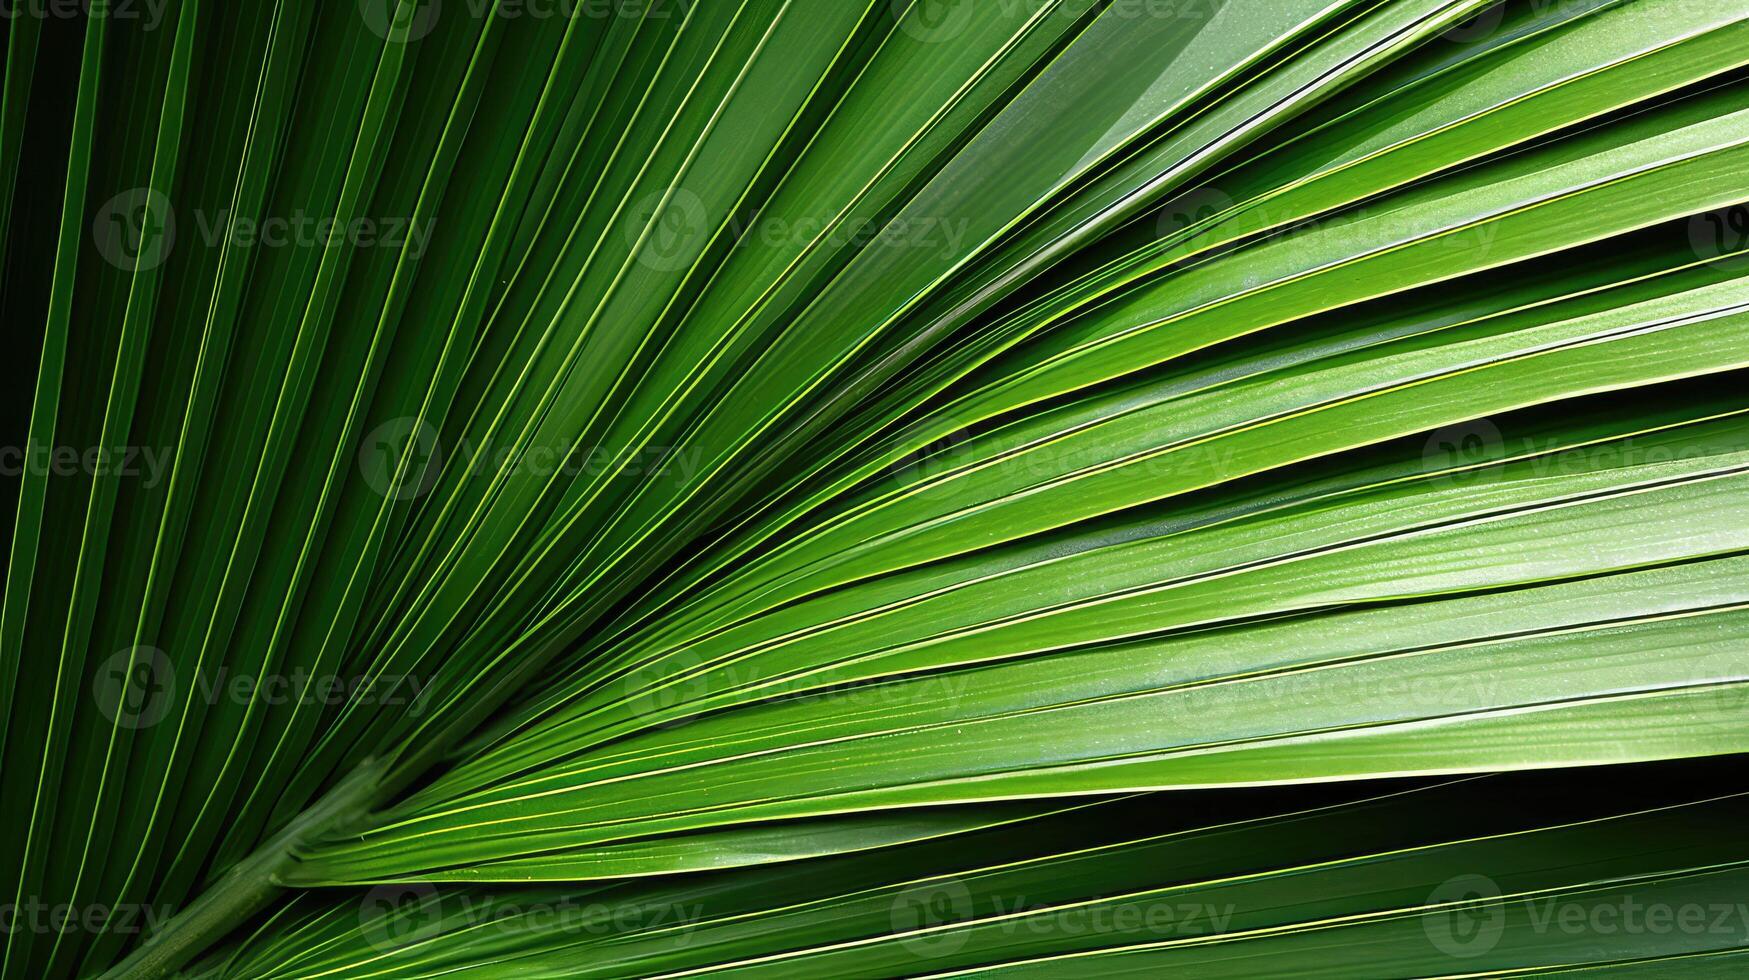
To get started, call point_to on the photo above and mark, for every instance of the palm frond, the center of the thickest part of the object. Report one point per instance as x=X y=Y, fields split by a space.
x=810 y=483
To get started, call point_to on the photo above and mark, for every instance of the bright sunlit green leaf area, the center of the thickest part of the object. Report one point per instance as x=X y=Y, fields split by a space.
x=1209 y=489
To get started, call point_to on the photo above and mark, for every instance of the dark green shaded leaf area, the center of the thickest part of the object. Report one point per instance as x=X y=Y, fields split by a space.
x=874 y=489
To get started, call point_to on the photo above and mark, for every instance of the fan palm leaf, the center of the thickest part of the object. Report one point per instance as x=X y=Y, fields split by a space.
x=915 y=488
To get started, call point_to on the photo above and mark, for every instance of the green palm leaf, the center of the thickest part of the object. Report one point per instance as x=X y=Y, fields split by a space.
x=801 y=487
